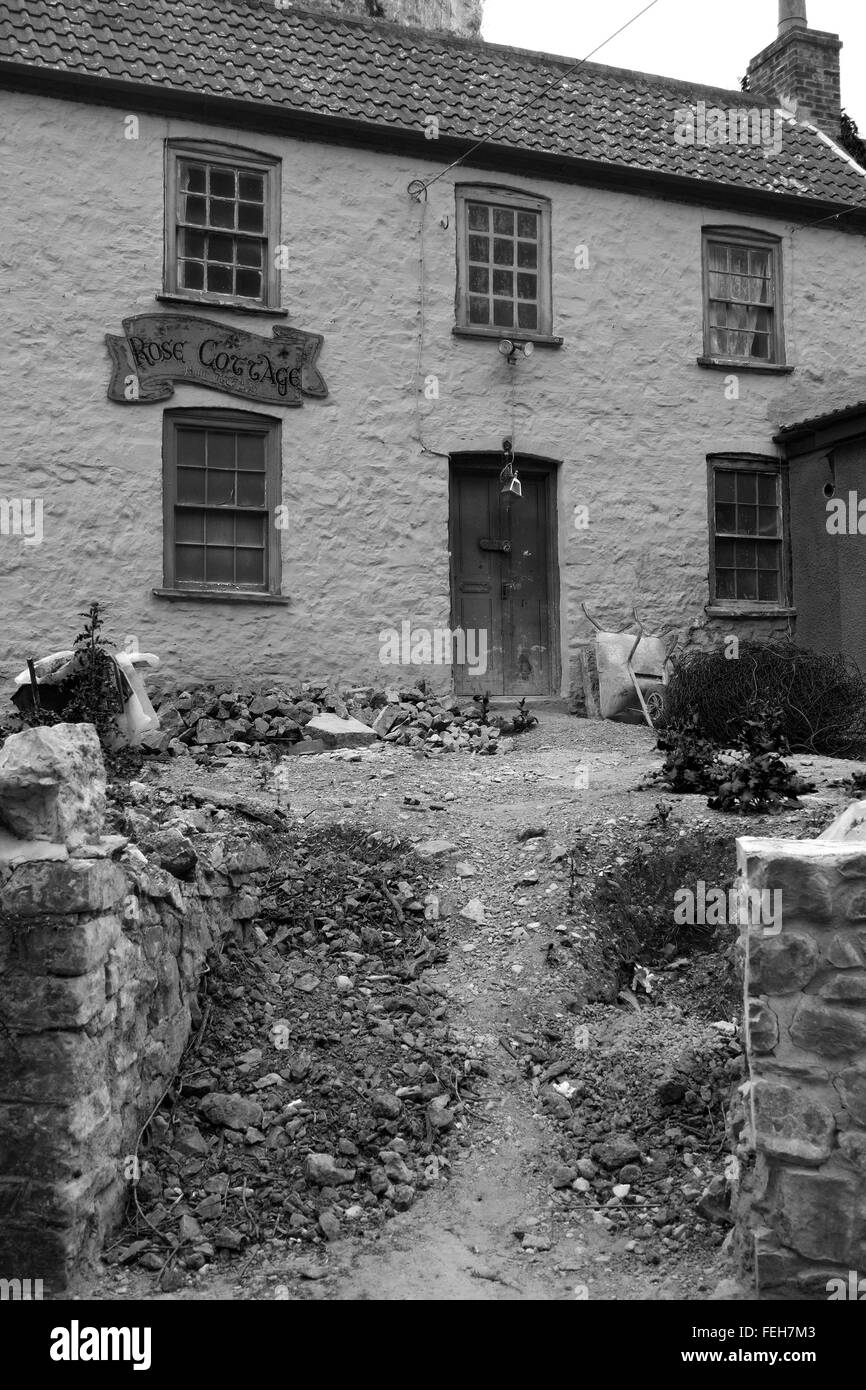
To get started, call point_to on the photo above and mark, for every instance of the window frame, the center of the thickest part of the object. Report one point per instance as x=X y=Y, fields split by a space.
x=229 y=421
x=759 y=241
x=233 y=157
x=517 y=200
x=750 y=463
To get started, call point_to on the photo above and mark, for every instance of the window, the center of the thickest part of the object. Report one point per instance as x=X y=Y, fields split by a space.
x=503 y=263
x=747 y=533
x=221 y=483
x=742 y=299
x=222 y=224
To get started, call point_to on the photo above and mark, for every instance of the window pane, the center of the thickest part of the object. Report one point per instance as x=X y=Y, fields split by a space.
x=192 y=178
x=747 y=585
x=195 y=211
x=527 y=315
x=726 y=517
x=249 y=252
x=220 y=528
x=527 y=286
x=768 y=521
x=725 y=554
x=527 y=224
x=725 y=587
x=768 y=557
x=222 y=214
x=249 y=530
x=479 y=310
x=718 y=256
x=189 y=563
x=251 y=187
x=190 y=484
x=747 y=556
x=503 y=313
x=220 y=450
x=190 y=448
x=220 y=561
x=503 y=221
x=249 y=284
x=251 y=451
x=767 y=488
x=219 y=279
x=479 y=248
x=251 y=217
x=503 y=282
x=222 y=183
x=527 y=254
x=478 y=216
x=747 y=521
x=220 y=248
x=192 y=275
x=192 y=244
x=250 y=566
x=747 y=487
x=251 y=489
x=503 y=251
x=479 y=279
x=768 y=588
x=189 y=526
x=220 y=488
x=725 y=487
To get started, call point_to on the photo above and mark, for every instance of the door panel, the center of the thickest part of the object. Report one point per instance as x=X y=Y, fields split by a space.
x=501 y=575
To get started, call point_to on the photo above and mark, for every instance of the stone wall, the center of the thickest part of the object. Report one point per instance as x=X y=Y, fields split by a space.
x=101 y=953
x=800 y=1197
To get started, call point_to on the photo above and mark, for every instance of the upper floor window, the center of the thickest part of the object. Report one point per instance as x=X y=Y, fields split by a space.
x=222 y=224
x=742 y=298
x=503 y=263
x=747 y=532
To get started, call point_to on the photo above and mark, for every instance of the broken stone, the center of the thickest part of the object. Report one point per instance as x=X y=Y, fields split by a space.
x=322 y=1169
x=616 y=1152
x=340 y=733
x=52 y=784
x=474 y=912
x=434 y=849
x=230 y=1111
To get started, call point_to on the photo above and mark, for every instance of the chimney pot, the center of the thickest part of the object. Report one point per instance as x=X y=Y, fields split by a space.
x=792 y=15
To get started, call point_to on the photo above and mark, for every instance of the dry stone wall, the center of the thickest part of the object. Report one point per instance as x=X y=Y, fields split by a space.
x=800 y=1195
x=101 y=954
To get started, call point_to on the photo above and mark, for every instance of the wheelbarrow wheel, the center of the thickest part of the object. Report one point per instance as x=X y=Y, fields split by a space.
x=655 y=703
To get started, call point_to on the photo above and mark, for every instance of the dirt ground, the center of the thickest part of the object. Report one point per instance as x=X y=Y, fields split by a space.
x=464 y=1240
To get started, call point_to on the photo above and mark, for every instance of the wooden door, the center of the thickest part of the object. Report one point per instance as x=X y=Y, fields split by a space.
x=503 y=576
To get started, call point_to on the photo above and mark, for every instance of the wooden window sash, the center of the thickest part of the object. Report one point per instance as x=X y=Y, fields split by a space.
x=242 y=161
x=751 y=241
x=515 y=201
x=230 y=422
x=757 y=466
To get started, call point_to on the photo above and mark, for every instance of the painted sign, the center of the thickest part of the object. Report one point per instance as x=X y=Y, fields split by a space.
x=160 y=349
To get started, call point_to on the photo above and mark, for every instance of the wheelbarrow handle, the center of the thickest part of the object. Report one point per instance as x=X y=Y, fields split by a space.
x=596 y=625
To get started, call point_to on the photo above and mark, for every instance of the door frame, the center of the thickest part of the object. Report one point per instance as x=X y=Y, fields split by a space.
x=492 y=461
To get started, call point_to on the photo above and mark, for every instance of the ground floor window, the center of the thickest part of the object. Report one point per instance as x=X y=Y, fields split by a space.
x=747 y=531
x=221 y=484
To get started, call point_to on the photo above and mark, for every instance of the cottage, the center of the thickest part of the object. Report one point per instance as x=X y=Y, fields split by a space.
x=319 y=327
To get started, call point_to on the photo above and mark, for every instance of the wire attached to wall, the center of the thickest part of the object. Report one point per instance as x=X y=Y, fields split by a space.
x=527 y=105
x=419 y=364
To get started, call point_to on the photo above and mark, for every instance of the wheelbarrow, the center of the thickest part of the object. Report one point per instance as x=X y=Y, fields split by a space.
x=630 y=665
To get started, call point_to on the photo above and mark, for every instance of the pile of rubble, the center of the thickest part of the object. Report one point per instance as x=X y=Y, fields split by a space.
x=323 y=1090
x=315 y=717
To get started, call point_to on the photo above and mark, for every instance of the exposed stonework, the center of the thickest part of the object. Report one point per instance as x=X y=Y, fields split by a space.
x=800 y=69
x=457 y=16
x=801 y=1191
x=100 y=960
x=52 y=783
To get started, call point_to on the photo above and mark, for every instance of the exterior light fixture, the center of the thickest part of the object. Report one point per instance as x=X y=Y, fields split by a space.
x=511 y=349
x=509 y=483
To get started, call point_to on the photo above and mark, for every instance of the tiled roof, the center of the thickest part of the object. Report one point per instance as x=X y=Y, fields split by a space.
x=392 y=78
x=823 y=421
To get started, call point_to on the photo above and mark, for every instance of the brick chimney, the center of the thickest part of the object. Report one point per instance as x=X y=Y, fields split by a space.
x=800 y=69
x=450 y=16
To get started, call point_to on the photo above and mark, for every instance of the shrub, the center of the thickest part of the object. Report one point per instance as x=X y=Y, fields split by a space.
x=818 y=700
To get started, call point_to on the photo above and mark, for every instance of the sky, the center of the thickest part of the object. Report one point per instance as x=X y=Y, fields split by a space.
x=696 y=40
